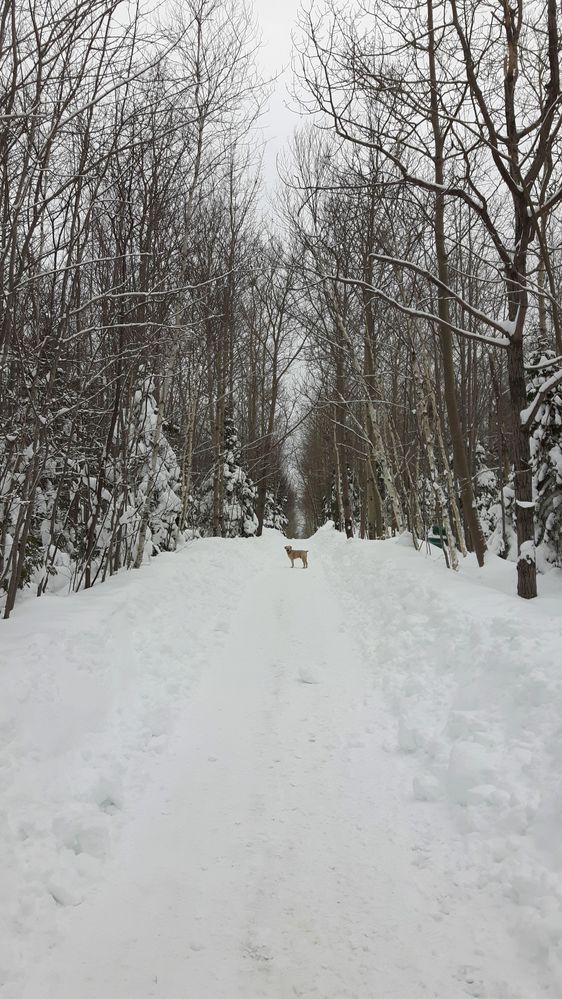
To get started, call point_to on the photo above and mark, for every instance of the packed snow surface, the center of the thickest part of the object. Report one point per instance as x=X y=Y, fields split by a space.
x=222 y=778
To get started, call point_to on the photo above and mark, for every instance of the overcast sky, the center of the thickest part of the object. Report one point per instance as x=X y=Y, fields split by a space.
x=277 y=18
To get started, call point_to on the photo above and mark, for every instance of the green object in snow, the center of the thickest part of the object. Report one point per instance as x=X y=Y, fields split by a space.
x=437 y=536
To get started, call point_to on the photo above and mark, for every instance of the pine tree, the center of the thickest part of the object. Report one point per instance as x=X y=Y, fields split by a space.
x=546 y=458
x=354 y=496
x=330 y=505
x=274 y=515
x=162 y=489
x=240 y=493
x=486 y=490
x=503 y=523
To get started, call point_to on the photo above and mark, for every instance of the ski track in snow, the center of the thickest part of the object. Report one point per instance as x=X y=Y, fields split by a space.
x=249 y=781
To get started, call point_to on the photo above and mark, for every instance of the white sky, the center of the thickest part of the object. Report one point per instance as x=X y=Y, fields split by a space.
x=277 y=18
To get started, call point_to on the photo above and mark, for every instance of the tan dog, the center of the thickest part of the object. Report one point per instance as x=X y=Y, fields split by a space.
x=293 y=554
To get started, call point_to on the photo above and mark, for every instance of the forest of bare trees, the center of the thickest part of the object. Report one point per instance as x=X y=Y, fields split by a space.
x=427 y=208
x=144 y=303
x=176 y=361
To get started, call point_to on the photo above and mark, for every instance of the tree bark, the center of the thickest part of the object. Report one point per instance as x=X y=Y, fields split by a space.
x=460 y=457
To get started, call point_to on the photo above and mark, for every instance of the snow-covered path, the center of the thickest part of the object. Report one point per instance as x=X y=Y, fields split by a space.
x=278 y=849
x=275 y=859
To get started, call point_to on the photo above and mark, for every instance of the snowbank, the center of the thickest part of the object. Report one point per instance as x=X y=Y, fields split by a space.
x=473 y=676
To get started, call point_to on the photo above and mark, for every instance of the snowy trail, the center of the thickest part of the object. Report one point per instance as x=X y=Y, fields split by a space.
x=277 y=850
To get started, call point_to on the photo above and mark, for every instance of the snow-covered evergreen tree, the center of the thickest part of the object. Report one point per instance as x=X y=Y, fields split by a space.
x=502 y=522
x=546 y=458
x=427 y=502
x=486 y=490
x=274 y=514
x=162 y=490
x=239 y=492
x=330 y=505
x=354 y=497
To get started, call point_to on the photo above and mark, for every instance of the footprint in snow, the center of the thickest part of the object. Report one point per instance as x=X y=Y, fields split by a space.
x=257 y=952
x=307 y=676
x=474 y=986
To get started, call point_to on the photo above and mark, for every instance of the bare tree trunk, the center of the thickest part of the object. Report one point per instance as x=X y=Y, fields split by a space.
x=151 y=482
x=374 y=503
x=218 y=468
x=460 y=457
x=521 y=452
x=187 y=459
x=337 y=484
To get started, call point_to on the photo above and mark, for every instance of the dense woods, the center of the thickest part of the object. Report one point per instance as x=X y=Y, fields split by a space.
x=428 y=213
x=387 y=350
x=145 y=315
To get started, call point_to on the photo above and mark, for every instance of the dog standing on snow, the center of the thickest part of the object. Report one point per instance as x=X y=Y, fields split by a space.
x=293 y=554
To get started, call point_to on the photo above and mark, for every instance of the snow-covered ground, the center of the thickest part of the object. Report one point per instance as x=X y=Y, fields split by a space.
x=221 y=778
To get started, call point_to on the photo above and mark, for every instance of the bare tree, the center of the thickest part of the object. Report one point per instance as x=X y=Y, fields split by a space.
x=476 y=97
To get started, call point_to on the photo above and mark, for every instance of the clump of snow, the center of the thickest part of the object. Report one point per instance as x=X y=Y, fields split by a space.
x=470 y=767
x=407 y=737
x=427 y=788
x=406 y=539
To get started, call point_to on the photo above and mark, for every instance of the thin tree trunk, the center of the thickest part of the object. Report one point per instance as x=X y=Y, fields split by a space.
x=460 y=458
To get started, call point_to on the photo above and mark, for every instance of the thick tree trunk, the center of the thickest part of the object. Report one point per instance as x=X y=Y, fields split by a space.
x=521 y=456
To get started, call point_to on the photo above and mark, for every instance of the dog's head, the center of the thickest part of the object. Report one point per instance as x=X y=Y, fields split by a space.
x=288 y=548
